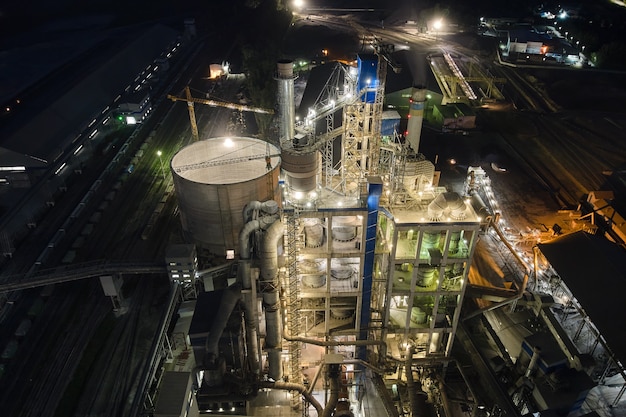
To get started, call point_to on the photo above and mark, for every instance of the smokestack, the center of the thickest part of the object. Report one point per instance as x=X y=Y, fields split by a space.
x=416 y=117
x=286 y=102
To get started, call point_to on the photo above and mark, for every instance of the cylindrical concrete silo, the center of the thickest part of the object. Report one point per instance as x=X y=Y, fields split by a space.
x=416 y=117
x=214 y=179
x=286 y=102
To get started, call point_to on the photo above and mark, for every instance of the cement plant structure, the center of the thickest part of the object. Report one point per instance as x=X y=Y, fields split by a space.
x=358 y=259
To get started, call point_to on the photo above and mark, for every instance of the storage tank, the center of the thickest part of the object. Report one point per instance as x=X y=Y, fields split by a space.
x=214 y=179
x=301 y=168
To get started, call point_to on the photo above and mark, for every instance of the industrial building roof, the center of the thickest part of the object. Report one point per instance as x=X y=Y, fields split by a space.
x=594 y=270
x=9 y=158
x=90 y=82
x=436 y=208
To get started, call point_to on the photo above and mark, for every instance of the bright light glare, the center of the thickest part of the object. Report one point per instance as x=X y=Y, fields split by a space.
x=298 y=4
x=228 y=143
x=437 y=24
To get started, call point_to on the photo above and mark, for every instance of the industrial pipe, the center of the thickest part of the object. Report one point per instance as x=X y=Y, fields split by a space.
x=334 y=390
x=290 y=386
x=519 y=295
x=229 y=300
x=524 y=281
x=508 y=245
x=417 y=396
x=315 y=378
x=215 y=369
x=249 y=297
x=444 y=397
x=269 y=285
x=250 y=316
x=250 y=227
x=269 y=252
x=533 y=361
x=316 y=342
x=268 y=207
x=368 y=365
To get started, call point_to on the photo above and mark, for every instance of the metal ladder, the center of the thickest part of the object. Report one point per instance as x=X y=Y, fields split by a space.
x=293 y=304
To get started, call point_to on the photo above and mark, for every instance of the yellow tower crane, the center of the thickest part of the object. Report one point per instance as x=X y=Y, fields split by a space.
x=213 y=103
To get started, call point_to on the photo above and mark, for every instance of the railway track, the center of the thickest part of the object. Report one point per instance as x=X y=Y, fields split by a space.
x=567 y=154
x=38 y=383
x=115 y=377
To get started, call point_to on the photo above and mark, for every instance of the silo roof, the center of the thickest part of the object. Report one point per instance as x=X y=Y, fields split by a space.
x=225 y=160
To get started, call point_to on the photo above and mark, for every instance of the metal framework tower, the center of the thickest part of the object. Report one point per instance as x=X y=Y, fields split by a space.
x=294 y=303
x=362 y=124
x=338 y=90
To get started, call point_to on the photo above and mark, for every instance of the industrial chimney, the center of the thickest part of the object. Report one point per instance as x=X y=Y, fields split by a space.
x=286 y=102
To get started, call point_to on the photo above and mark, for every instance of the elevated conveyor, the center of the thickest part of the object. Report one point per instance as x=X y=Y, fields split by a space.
x=79 y=271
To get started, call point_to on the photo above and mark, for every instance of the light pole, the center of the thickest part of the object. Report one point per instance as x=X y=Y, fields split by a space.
x=159 y=153
x=437 y=25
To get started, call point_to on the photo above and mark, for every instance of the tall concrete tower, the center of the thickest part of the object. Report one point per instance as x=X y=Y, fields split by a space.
x=286 y=102
x=416 y=116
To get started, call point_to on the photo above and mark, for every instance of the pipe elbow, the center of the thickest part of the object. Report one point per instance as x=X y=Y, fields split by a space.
x=269 y=207
x=244 y=238
x=249 y=209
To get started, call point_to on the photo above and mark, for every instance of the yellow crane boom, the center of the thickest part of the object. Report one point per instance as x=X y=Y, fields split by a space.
x=213 y=103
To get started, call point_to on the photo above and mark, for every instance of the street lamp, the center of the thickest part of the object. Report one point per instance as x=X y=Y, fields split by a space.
x=437 y=25
x=159 y=153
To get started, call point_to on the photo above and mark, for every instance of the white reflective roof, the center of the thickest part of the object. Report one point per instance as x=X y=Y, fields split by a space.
x=224 y=160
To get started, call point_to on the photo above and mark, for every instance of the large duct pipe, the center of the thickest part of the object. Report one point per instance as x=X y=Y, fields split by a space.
x=416 y=117
x=214 y=365
x=269 y=286
x=290 y=386
x=333 y=374
x=286 y=102
x=252 y=226
x=417 y=396
x=269 y=253
x=250 y=316
x=268 y=207
x=533 y=362
x=249 y=297
x=229 y=300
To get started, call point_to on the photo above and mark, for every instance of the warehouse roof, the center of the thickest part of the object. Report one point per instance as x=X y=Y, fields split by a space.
x=594 y=270
x=88 y=83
